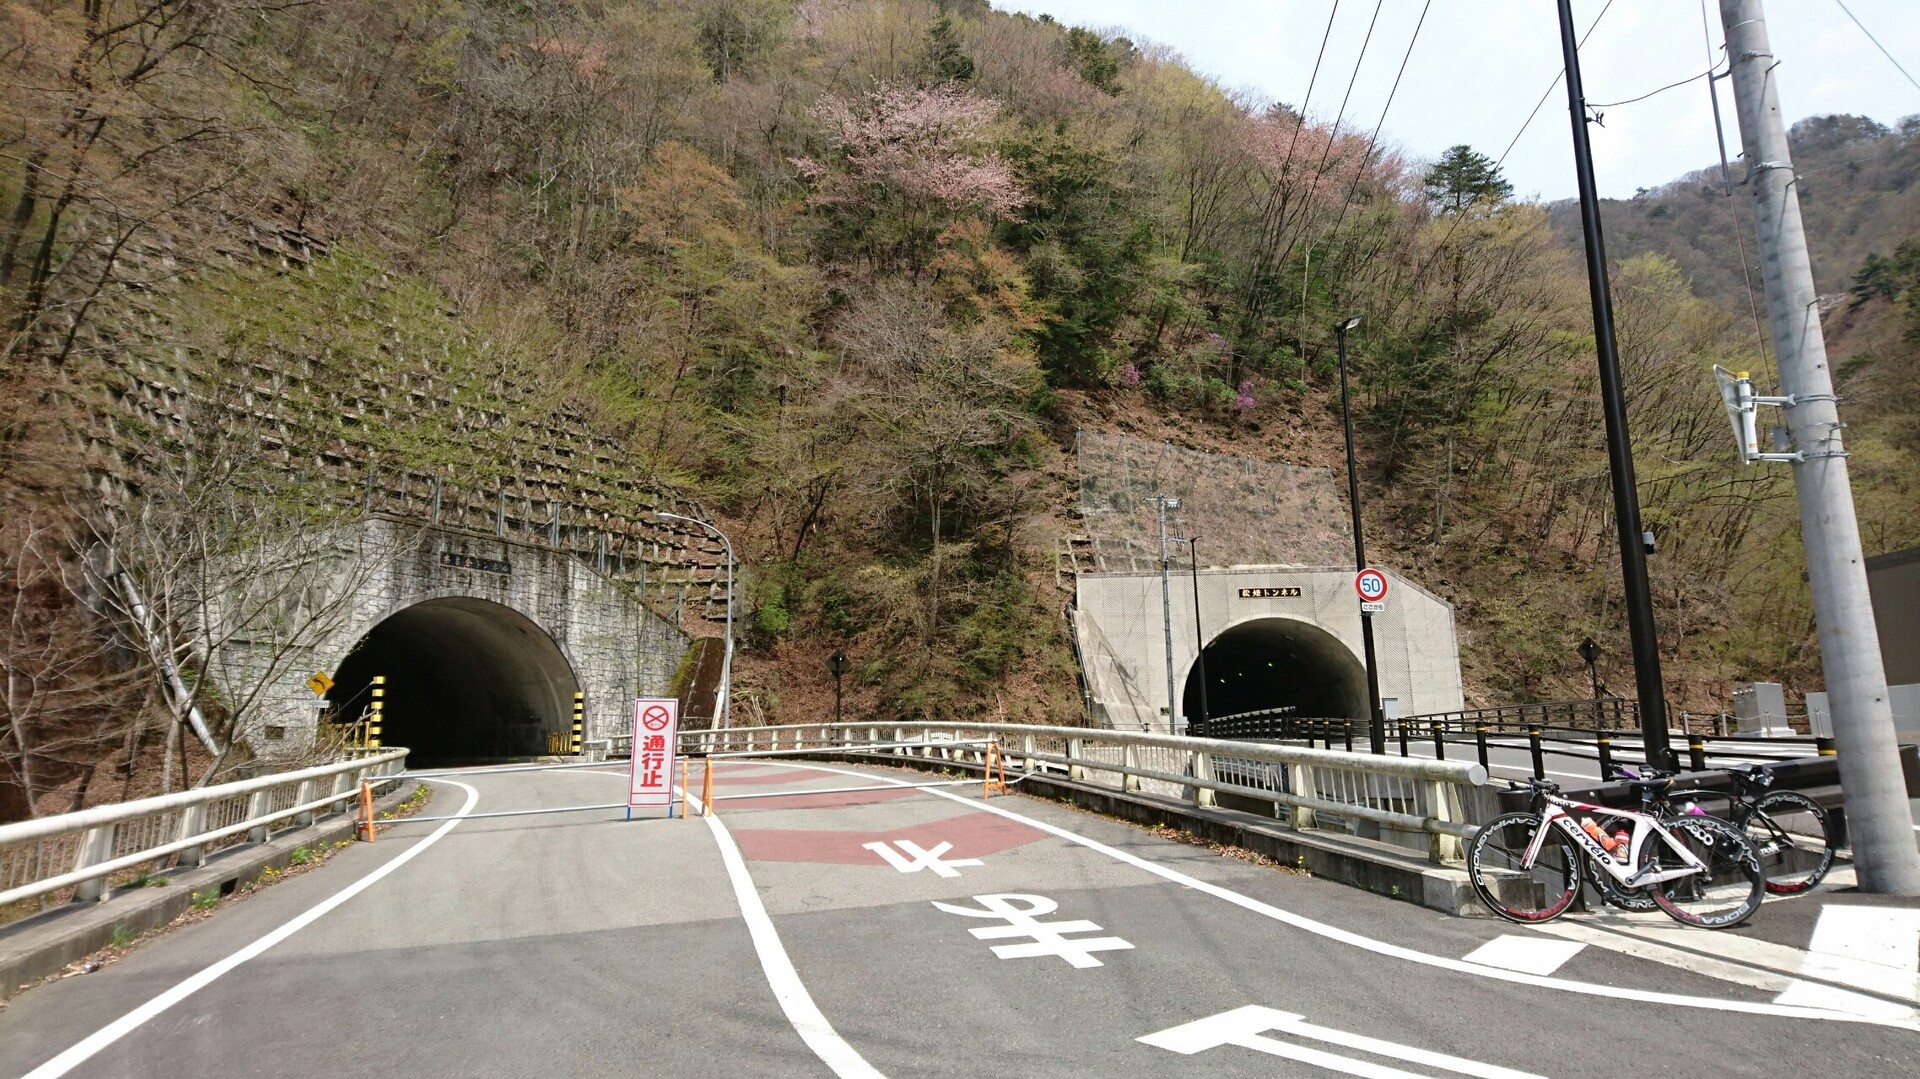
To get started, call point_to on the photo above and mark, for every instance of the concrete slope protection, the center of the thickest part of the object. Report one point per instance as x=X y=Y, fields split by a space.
x=897 y=930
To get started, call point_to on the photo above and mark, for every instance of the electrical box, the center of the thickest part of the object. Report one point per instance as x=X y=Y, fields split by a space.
x=1760 y=709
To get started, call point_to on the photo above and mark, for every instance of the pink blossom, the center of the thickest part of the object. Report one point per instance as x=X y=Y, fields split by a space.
x=1130 y=374
x=924 y=143
x=1245 y=400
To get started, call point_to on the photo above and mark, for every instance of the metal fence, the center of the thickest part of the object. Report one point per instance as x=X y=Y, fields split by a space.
x=1309 y=788
x=82 y=850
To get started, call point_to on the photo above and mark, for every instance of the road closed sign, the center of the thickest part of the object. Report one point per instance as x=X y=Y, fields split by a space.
x=1372 y=586
x=656 y=722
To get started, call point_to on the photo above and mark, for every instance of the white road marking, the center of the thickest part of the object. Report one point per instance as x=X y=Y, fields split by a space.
x=126 y=1024
x=804 y=1015
x=1380 y=947
x=1871 y=948
x=1528 y=954
x=919 y=858
x=1247 y=1027
x=1049 y=938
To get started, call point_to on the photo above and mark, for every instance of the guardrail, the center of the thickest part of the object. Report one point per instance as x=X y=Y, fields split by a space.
x=81 y=850
x=1311 y=788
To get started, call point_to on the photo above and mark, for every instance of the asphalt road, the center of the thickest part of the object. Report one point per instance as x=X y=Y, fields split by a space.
x=838 y=934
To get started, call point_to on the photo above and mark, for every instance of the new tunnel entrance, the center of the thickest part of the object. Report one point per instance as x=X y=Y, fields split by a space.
x=466 y=679
x=1276 y=663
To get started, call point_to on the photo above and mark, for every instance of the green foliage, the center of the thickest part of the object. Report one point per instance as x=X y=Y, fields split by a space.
x=206 y=900
x=1463 y=178
x=945 y=56
x=1096 y=59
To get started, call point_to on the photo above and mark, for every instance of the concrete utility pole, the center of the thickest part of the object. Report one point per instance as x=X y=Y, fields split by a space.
x=1879 y=820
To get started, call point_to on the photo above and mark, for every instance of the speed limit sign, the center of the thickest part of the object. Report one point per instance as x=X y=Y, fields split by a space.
x=1372 y=586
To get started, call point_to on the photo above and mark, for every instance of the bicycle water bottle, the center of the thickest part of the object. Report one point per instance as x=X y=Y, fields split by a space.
x=1599 y=834
x=1622 y=842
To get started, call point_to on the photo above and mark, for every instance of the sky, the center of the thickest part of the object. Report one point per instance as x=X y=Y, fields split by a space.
x=1478 y=67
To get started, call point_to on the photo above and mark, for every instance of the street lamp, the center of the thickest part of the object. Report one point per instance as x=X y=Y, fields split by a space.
x=1376 y=721
x=1589 y=652
x=1164 y=504
x=726 y=661
x=1199 y=644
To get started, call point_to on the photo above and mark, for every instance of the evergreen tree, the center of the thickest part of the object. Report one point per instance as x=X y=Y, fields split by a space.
x=1463 y=178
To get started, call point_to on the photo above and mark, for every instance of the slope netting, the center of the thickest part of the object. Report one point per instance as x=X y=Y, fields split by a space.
x=1245 y=512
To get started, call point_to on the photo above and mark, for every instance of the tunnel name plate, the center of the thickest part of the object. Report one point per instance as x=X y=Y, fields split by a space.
x=1278 y=592
x=484 y=565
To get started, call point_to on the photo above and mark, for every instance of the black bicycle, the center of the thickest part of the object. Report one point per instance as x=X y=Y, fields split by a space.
x=1788 y=830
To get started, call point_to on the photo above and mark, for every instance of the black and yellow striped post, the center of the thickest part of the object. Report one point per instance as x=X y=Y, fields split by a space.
x=1824 y=747
x=377 y=710
x=579 y=721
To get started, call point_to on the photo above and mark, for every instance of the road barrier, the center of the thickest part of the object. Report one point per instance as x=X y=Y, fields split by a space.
x=1312 y=787
x=82 y=850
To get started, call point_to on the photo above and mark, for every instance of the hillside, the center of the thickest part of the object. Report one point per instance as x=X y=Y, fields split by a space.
x=845 y=275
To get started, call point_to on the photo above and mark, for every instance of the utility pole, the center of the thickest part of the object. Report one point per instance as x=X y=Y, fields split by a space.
x=1626 y=497
x=1166 y=607
x=1199 y=642
x=1879 y=820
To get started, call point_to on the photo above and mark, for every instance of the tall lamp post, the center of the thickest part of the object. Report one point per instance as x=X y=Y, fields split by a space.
x=1199 y=642
x=1589 y=652
x=726 y=661
x=1376 y=721
x=1163 y=504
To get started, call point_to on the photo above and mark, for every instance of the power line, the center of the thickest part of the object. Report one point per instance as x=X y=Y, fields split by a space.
x=1311 y=81
x=1334 y=132
x=1354 y=184
x=1876 y=42
x=1672 y=85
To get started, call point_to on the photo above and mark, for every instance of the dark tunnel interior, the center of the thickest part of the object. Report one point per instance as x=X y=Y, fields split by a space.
x=1276 y=662
x=467 y=680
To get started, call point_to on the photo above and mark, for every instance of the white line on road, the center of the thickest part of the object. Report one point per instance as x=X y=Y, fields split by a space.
x=1247 y=1027
x=1380 y=947
x=1869 y=947
x=126 y=1024
x=805 y=1016
x=1529 y=954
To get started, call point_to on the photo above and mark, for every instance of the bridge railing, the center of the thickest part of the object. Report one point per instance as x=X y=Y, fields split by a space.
x=83 y=850
x=1310 y=788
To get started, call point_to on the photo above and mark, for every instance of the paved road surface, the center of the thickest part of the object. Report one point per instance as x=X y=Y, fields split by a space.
x=917 y=932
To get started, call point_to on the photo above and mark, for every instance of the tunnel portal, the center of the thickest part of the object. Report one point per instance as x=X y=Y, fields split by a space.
x=466 y=680
x=1274 y=663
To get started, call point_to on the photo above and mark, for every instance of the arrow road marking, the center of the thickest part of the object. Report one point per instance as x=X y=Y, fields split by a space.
x=1049 y=938
x=920 y=858
x=1246 y=1027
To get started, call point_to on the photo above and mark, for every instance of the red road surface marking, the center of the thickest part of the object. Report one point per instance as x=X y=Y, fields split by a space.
x=972 y=835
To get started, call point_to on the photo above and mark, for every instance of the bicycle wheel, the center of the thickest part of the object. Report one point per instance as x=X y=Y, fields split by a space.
x=1725 y=893
x=1789 y=834
x=1514 y=891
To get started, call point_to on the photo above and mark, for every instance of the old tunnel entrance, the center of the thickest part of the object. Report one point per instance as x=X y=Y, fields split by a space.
x=1274 y=663
x=467 y=680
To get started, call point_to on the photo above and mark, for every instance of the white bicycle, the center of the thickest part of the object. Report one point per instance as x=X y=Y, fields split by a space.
x=1527 y=866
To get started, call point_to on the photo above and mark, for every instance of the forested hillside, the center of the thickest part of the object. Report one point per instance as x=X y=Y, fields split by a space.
x=848 y=274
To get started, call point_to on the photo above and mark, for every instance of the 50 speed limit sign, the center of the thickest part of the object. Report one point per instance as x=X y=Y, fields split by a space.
x=1372 y=586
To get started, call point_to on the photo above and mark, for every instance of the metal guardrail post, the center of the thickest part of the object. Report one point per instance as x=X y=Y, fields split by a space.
x=1348 y=726
x=1402 y=725
x=1439 y=741
x=258 y=805
x=1203 y=769
x=1604 y=743
x=193 y=821
x=1075 y=752
x=1301 y=818
x=1539 y=759
x=96 y=846
x=1480 y=742
x=1441 y=847
x=304 y=795
x=1129 y=758
x=1026 y=753
x=1823 y=747
x=1697 y=752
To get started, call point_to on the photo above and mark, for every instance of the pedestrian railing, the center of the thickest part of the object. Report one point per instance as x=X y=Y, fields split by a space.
x=83 y=850
x=1309 y=788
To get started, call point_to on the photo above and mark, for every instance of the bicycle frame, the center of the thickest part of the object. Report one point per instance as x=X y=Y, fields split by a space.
x=1560 y=813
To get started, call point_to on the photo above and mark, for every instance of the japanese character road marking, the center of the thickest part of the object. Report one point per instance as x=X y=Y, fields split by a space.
x=1049 y=938
x=920 y=858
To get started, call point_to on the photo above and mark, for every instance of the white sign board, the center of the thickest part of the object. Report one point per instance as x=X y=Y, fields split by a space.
x=1374 y=607
x=656 y=722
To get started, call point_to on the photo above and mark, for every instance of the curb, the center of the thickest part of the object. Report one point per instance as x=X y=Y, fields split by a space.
x=41 y=944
